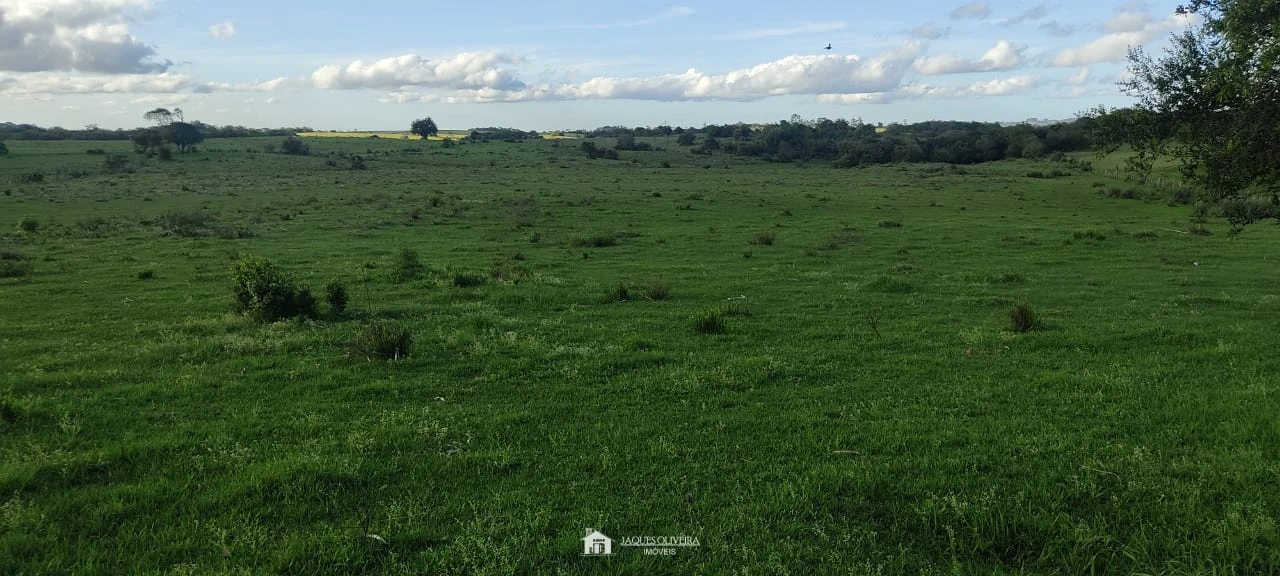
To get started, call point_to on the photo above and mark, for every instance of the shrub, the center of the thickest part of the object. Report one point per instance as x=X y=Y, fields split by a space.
x=658 y=290
x=382 y=340
x=165 y=153
x=618 y=293
x=839 y=238
x=1035 y=174
x=14 y=264
x=598 y=241
x=335 y=293
x=28 y=224
x=1145 y=235
x=1021 y=318
x=115 y=164
x=709 y=321
x=889 y=224
x=95 y=152
x=3 y=149
x=766 y=238
x=146 y=274
x=357 y=162
x=31 y=178
x=1199 y=229
x=294 y=146
x=407 y=266
x=265 y=292
x=468 y=279
x=186 y=223
x=1089 y=234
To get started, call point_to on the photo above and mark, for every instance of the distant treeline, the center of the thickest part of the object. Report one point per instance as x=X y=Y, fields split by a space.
x=852 y=143
x=499 y=133
x=11 y=131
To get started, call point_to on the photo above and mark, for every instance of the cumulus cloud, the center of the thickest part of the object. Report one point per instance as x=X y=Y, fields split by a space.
x=801 y=28
x=1003 y=56
x=465 y=71
x=809 y=74
x=996 y=87
x=224 y=29
x=1079 y=77
x=1124 y=31
x=64 y=83
x=83 y=35
x=978 y=9
x=928 y=32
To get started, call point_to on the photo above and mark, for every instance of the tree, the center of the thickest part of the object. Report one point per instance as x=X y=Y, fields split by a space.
x=424 y=127
x=686 y=138
x=159 y=116
x=1212 y=102
x=184 y=136
x=294 y=146
x=3 y=149
x=146 y=139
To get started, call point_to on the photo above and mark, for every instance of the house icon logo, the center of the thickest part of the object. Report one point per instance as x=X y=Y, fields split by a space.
x=596 y=544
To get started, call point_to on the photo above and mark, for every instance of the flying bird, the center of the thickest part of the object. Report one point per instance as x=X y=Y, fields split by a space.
x=828 y=45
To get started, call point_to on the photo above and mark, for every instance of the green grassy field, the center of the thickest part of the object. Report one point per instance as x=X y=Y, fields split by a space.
x=866 y=410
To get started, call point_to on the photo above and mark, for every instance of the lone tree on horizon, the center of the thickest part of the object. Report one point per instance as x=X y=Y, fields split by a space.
x=424 y=127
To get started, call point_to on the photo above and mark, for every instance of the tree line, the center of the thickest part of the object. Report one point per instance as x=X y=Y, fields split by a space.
x=12 y=131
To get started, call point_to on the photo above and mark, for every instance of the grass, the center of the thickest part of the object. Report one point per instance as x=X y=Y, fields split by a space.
x=872 y=413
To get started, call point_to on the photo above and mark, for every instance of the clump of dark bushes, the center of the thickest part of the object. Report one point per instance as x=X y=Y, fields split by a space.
x=1022 y=318
x=264 y=291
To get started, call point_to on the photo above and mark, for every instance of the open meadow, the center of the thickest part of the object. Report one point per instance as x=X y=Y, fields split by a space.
x=808 y=369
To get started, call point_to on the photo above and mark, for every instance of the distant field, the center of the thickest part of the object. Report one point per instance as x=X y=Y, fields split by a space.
x=443 y=135
x=810 y=370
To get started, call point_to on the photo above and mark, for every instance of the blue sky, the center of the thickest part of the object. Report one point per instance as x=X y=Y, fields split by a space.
x=564 y=64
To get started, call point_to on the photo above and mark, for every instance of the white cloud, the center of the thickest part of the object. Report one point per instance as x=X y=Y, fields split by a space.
x=1003 y=56
x=1037 y=13
x=64 y=83
x=1114 y=46
x=1055 y=28
x=801 y=28
x=810 y=74
x=224 y=29
x=1127 y=22
x=978 y=9
x=997 y=87
x=63 y=35
x=1079 y=77
x=469 y=70
x=928 y=32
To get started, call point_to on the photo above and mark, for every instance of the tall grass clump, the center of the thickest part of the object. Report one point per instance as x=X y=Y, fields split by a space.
x=383 y=341
x=766 y=238
x=265 y=292
x=1022 y=318
x=335 y=293
x=14 y=264
x=407 y=265
x=709 y=321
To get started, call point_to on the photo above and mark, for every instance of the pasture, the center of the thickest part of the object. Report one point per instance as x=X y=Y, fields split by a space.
x=863 y=408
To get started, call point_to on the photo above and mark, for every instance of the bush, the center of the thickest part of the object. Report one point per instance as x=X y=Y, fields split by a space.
x=294 y=146
x=658 y=290
x=335 y=293
x=766 y=238
x=95 y=152
x=890 y=285
x=28 y=224
x=116 y=163
x=3 y=149
x=407 y=266
x=889 y=224
x=709 y=321
x=14 y=264
x=467 y=279
x=146 y=274
x=357 y=162
x=1021 y=318
x=597 y=241
x=618 y=293
x=186 y=223
x=1089 y=234
x=382 y=340
x=31 y=178
x=165 y=153
x=265 y=292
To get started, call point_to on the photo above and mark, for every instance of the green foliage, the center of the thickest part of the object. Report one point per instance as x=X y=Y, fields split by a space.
x=164 y=153
x=118 y=163
x=658 y=290
x=28 y=225
x=766 y=238
x=265 y=292
x=186 y=223
x=357 y=162
x=294 y=146
x=381 y=341
x=3 y=148
x=889 y=224
x=889 y=285
x=14 y=264
x=424 y=127
x=686 y=139
x=709 y=321
x=407 y=266
x=601 y=240
x=1089 y=234
x=617 y=293
x=146 y=274
x=1212 y=102
x=335 y=293
x=184 y=136
x=1021 y=318
x=468 y=279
